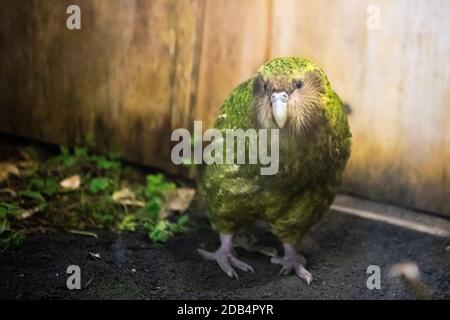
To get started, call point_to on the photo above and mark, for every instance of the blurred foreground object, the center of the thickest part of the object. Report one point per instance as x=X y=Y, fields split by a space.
x=409 y=273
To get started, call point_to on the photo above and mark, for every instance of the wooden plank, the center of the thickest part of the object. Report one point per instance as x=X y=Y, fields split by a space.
x=234 y=45
x=396 y=81
x=125 y=76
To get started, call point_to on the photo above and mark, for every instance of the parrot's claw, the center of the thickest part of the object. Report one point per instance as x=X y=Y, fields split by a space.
x=293 y=263
x=226 y=262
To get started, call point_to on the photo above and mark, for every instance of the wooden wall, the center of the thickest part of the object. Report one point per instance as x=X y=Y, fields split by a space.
x=139 y=69
x=396 y=80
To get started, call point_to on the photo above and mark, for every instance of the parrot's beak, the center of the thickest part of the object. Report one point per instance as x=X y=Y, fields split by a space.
x=279 y=107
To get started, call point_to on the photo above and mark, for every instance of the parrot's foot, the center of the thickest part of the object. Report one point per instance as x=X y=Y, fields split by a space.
x=292 y=261
x=225 y=258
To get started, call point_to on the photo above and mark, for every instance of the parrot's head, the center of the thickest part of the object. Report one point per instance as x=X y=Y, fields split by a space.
x=287 y=94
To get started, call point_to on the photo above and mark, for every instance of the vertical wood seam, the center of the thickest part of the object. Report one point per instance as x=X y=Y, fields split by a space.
x=197 y=58
x=269 y=30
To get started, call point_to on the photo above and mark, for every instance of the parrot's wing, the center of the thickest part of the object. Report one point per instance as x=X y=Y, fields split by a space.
x=229 y=187
x=235 y=112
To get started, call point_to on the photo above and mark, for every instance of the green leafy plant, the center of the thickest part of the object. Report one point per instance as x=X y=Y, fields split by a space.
x=66 y=158
x=34 y=195
x=159 y=229
x=99 y=185
x=8 y=238
x=103 y=212
x=163 y=229
x=81 y=152
x=7 y=209
x=103 y=173
x=51 y=187
x=129 y=223
x=157 y=187
x=48 y=186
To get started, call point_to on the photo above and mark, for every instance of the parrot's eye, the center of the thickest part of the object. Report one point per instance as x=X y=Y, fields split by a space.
x=298 y=84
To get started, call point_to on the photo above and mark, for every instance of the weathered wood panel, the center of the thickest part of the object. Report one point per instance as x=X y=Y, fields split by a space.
x=126 y=76
x=234 y=45
x=396 y=80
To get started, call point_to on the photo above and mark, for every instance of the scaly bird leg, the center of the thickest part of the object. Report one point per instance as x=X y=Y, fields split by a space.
x=225 y=257
x=292 y=261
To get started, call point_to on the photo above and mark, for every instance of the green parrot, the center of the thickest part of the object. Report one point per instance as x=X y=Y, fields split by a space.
x=293 y=95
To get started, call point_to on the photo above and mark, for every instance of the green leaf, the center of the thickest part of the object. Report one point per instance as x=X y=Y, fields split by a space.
x=98 y=185
x=69 y=161
x=35 y=195
x=3 y=212
x=128 y=223
x=156 y=186
x=81 y=152
x=65 y=158
x=51 y=187
x=10 y=239
x=36 y=184
x=182 y=220
x=161 y=232
x=103 y=163
x=179 y=226
x=153 y=207
x=8 y=209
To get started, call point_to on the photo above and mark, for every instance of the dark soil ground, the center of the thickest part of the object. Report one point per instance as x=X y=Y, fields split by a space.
x=339 y=249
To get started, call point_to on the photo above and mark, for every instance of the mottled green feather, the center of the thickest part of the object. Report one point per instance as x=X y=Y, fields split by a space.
x=310 y=166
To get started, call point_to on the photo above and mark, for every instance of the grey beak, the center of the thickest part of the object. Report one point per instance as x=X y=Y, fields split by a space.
x=279 y=107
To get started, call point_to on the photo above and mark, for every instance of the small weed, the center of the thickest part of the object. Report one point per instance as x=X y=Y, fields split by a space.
x=163 y=229
x=157 y=228
x=129 y=223
x=65 y=157
x=48 y=186
x=80 y=152
x=105 y=163
x=34 y=195
x=8 y=238
x=98 y=185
